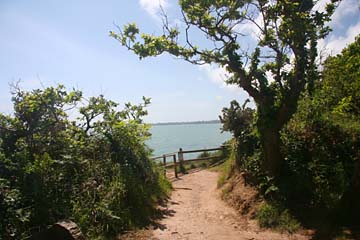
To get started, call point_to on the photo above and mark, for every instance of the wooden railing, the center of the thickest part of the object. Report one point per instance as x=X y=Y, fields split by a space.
x=180 y=158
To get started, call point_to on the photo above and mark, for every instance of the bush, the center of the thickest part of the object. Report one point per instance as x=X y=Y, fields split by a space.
x=320 y=155
x=203 y=165
x=239 y=120
x=94 y=170
x=204 y=155
x=273 y=216
x=226 y=168
x=320 y=145
x=182 y=169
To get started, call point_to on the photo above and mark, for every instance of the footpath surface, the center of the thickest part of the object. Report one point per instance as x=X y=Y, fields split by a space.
x=195 y=211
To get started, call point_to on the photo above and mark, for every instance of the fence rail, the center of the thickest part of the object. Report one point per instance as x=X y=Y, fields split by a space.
x=180 y=157
x=166 y=155
x=203 y=150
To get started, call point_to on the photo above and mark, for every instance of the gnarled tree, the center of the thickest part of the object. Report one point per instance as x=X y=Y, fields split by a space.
x=273 y=68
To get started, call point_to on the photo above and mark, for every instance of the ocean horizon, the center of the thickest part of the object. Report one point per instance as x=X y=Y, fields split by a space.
x=170 y=137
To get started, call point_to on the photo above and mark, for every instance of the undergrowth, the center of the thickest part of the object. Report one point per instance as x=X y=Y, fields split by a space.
x=226 y=168
x=225 y=171
x=269 y=215
x=276 y=217
x=94 y=171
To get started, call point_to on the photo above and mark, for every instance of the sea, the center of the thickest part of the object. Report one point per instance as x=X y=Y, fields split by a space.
x=169 y=138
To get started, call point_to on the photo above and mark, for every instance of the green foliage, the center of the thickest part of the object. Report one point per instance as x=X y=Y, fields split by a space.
x=215 y=156
x=203 y=155
x=94 y=170
x=274 y=216
x=227 y=167
x=286 y=49
x=239 y=121
x=14 y=217
x=320 y=155
x=203 y=165
x=321 y=141
x=320 y=145
x=340 y=88
x=182 y=169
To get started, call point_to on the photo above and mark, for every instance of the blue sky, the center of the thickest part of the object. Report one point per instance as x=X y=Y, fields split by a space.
x=45 y=42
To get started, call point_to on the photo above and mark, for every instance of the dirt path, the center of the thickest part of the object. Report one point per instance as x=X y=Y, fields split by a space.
x=195 y=211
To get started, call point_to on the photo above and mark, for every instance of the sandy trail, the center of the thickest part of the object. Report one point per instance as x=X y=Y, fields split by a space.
x=195 y=211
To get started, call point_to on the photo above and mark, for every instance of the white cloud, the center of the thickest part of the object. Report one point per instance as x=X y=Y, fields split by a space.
x=320 y=5
x=218 y=75
x=219 y=98
x=153 y=7
x=251 y=29
x=215 y=74
x=335 y=44
x=346 y=8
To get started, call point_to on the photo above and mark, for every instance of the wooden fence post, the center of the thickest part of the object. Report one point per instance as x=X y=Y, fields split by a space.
x=175 y=170
x=181 y=158
x=164 y=163
x=223 y=149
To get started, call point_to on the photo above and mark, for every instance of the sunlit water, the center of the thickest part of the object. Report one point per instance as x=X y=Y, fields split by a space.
x=169 y=138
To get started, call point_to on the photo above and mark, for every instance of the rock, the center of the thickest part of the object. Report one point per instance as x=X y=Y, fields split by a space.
x=64 y=230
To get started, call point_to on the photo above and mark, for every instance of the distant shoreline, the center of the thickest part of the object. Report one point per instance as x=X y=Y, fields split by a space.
x=185 y=123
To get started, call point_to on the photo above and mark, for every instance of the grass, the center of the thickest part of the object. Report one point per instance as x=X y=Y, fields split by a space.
x=186 y=166
x=225 y=171
x=268 y=215
x=276 y=217
x=193 y=165
x=201 y=163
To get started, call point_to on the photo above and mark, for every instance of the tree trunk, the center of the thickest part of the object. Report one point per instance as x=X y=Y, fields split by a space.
x=271 y=142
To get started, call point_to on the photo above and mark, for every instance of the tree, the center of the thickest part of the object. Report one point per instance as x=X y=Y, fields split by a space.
x=340 y=95
x=341 y=81
x=321 y=142
x=274 y=72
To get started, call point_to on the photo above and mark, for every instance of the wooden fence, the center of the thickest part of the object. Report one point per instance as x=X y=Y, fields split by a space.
x=179 y=161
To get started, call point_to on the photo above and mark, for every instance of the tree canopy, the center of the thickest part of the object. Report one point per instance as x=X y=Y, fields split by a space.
x=341 y=84
x=273 y=73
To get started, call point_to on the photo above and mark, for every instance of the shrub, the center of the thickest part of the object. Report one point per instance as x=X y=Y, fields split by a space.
x=94 y=170
x=320 y=155
x=203 y=165
x=273 y=216
x=320 y=146
x=239 y=120
x=226 y=169
x=182 y=169
x=204 y=155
